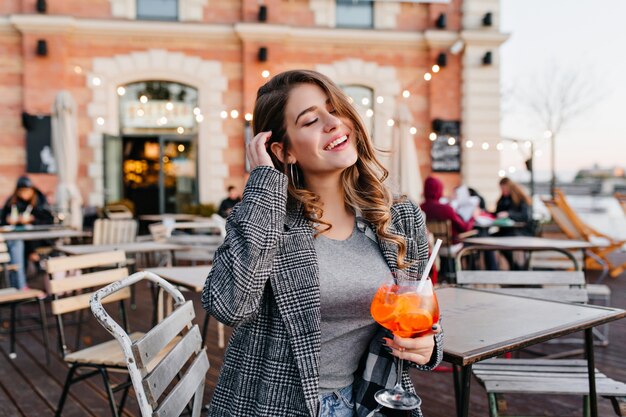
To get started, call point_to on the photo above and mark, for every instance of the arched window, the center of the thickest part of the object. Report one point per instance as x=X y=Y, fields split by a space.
x=363 y=100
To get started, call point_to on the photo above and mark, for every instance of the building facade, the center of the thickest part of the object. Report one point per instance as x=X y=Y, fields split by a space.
x=163 y=88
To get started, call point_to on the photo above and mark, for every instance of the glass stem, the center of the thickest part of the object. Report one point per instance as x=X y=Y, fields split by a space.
x=398 y=386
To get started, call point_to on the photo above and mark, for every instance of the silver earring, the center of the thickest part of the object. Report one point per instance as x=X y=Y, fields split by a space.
x=295 y=175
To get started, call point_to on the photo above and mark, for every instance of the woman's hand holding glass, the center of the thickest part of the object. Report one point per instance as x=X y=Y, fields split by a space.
x=418 y=349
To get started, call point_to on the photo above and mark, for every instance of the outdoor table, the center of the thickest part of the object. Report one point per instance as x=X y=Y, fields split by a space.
x=174 y=216
x=480 y=324
x=192 y=278
x=131 y=247
x=44 y=234
x=527 y=244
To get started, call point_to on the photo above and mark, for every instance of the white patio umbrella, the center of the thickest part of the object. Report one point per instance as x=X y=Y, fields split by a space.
x=405 y=172
x=65 y=147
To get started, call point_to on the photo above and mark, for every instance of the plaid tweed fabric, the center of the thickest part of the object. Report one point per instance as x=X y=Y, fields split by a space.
x=265 y=283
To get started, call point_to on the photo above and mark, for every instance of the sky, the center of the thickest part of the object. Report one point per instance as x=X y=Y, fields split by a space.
x=582 y=37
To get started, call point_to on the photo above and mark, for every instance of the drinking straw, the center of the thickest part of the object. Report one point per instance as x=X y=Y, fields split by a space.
x=429 y=265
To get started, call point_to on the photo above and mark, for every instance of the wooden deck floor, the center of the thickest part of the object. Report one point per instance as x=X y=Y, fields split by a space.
x=29 y=387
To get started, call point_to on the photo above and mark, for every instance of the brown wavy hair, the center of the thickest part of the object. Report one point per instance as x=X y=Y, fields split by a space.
x=362 y=182
x=517 y=193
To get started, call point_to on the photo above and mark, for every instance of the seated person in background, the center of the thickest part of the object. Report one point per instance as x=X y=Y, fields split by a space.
x=481 y=200
x=229 y=202
x=434 y=210
x=27 y=205
x=463 y=203
x=513 y=204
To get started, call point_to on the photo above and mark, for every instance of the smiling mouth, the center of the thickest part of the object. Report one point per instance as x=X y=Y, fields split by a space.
x=336 y=143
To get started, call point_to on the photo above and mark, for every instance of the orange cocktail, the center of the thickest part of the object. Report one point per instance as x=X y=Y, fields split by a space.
x=405 y=313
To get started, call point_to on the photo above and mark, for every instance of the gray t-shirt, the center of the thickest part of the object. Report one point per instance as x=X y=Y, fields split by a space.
x=350 y=272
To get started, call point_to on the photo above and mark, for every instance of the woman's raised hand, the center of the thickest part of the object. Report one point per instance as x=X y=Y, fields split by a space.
x=257 y=151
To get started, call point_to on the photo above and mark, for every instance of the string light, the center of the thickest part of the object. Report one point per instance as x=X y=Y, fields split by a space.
x=234 y=114
x=96 y=81
x=143 y=99
x=432 y=136
x=265 y=73
x=223 y=114
x=485 y=146
x=248 y=117
x=196 y=111
x=369 y=112
x=100 y=121
x=365 y=101
x=469 y=144
x=180 y=130
x=140 y=112
x=514 y=146
x=390 y=122
x=436 y=68
x=512 y=169
x=169 y=106
x=501 y=173
x=406 y=94
x=121 y=91
x=413 y=130
x=428 y=76
x=78 y=69
x=500 y=146
x=199 y=118
x=380 y=99
x=451 y=141
x=528 y=144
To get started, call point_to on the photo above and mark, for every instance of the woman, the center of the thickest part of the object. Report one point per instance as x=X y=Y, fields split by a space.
x=27 y=205
x=513 y=204
x=304 y=253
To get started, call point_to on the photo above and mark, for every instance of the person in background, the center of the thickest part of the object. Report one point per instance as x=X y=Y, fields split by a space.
x=303 y=256
x=226 y=206
x=434 y=210
x=27 y=205
x=513 y=204
x=464 y=204
x=481 y=200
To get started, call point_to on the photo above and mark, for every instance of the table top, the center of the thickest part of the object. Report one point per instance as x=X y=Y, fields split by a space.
x=481 y=324
x=161 y=217
x=528 y=243
x=132 y=247
x=44 y=234
x=192 y=277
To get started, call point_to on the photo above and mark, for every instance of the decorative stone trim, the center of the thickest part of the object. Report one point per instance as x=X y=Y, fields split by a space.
x=158 y=64
x=382 y=81
x=384 y=13
x=188 y=10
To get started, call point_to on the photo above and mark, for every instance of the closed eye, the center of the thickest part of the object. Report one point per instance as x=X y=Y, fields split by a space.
x=311 y=122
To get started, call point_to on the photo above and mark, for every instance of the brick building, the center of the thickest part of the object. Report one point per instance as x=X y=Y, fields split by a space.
x=163 y=87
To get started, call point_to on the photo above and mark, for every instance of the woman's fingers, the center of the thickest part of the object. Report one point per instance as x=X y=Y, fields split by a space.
x=257 y=150
x=418 y=349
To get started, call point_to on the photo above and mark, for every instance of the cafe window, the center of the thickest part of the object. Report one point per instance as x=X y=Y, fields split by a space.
x=363 y=101
x=157 y=9
x=354 y=13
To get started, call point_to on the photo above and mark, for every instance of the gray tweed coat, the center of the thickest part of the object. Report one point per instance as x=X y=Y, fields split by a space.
x=264 y=283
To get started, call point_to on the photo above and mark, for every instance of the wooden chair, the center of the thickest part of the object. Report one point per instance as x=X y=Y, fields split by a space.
x=71 y=294
x=569 y=222
x=152 y=371
x=442 y=229
x=112 y=231
x=118 y=211
x=539 y=376
x=5 y=262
